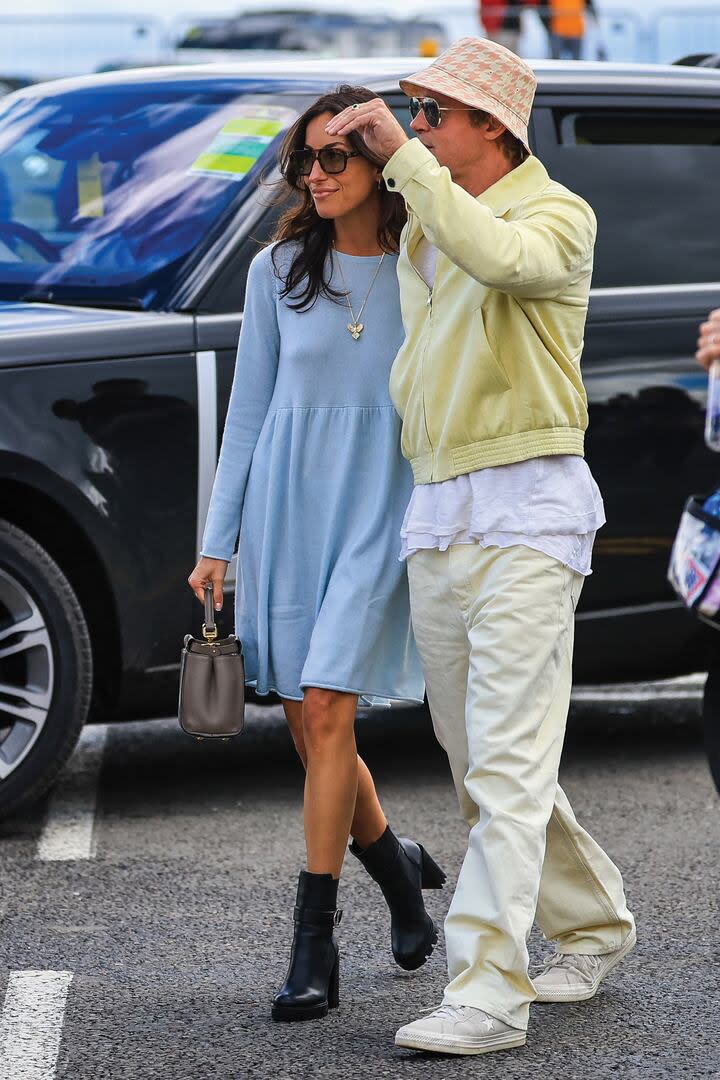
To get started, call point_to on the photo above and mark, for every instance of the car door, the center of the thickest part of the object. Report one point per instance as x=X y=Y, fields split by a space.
x=220 y=302
x=644 y=163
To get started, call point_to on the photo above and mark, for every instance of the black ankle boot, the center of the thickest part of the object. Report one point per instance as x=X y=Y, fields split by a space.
x=403 y=869
x=311 y=985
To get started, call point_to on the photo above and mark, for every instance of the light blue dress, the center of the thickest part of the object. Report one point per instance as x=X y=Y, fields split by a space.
x=312 y=478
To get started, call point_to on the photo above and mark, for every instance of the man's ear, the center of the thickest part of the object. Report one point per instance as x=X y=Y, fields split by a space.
x=493 y=129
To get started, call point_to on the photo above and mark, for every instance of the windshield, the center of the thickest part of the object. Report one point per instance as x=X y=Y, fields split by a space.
x=107 y=193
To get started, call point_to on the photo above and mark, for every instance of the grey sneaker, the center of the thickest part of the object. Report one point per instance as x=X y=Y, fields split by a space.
x=577 y=976
x=459 y=1029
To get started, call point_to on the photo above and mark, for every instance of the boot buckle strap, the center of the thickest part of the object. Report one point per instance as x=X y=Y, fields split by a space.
x=310 y=917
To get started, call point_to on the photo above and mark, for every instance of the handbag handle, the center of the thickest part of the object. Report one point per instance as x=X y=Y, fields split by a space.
x=209 y=628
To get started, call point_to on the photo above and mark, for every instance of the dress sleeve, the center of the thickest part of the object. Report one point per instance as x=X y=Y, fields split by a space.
x=252 y=389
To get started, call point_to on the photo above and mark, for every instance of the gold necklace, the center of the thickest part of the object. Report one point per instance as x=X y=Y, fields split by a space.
x=355 y=327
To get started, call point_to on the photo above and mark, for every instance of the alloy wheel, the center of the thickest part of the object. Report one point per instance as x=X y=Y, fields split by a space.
x=27 y=674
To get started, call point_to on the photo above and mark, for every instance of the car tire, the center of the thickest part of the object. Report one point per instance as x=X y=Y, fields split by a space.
x=45 y=669
x=711 y=722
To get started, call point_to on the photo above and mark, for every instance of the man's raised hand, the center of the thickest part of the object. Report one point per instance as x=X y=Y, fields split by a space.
x=374 y=121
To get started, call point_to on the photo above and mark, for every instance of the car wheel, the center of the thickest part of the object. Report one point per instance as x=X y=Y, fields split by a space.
x=711 y=722
x=45 y=669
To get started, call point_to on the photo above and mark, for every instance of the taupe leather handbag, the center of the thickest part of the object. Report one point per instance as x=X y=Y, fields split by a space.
x=212 y=682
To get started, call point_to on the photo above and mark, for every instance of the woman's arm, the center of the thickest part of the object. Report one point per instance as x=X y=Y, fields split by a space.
x=252 y=390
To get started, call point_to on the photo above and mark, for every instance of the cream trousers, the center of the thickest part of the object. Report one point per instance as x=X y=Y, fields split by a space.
x=495 y=628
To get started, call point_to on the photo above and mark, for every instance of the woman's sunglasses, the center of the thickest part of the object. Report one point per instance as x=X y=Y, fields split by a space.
x=332 y=161
x=433 y=111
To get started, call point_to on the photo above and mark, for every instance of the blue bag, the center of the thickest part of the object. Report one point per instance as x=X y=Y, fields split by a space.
x=694 y=570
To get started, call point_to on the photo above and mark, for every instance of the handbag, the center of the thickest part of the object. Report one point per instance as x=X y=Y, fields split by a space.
x=212 y=682
x=694 y=570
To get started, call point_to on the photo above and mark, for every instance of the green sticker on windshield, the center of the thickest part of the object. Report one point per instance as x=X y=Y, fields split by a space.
x=242 y=141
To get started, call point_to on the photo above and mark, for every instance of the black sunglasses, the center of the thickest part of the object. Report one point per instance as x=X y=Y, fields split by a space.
x=433 y=111
x=331 y=160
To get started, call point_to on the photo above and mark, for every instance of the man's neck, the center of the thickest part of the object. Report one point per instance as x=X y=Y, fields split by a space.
x=477 y=180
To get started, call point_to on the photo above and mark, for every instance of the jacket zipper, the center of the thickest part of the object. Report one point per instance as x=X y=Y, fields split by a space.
x=429 y=305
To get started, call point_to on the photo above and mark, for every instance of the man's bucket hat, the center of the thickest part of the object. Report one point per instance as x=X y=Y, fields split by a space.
x=486 y=76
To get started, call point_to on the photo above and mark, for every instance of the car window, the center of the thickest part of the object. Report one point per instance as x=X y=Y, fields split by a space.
x=649 y=176
x=107 y=192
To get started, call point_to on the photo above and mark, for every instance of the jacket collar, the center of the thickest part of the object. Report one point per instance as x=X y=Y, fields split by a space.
x=526 y=179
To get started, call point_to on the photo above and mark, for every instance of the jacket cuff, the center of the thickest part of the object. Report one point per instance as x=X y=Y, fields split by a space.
x=405 y=163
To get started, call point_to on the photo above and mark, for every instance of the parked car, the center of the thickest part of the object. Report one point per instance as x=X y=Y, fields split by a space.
x=330 y=33
x=700 y=60
x=130 y=209
x=8 y=83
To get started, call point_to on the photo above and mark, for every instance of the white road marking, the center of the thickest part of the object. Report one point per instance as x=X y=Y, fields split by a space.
x=31 y=1024
x=70 y=823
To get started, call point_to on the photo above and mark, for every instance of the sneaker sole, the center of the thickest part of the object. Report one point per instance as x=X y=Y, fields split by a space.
x=560 y=996
x=436 y=1044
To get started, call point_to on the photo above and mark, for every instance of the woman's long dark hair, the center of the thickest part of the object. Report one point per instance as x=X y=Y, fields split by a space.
x=301 y=224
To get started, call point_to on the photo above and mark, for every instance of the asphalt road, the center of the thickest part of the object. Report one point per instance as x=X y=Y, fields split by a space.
x=172 y=929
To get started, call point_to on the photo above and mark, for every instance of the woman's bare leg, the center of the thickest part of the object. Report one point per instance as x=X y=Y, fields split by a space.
x=328 y=718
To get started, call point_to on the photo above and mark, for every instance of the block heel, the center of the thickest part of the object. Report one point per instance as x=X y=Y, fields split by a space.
x=334 y=985
x=433 y=877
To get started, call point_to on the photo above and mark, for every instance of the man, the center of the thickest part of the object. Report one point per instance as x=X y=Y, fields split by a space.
x=494 y=277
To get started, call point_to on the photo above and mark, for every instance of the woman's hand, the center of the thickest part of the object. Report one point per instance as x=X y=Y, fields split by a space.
x=209 y=572
x=709 y=341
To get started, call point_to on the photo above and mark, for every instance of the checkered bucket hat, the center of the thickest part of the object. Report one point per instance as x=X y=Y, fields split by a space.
x=482 y=74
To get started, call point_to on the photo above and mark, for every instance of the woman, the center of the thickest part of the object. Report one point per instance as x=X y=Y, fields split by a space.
x=312 y=478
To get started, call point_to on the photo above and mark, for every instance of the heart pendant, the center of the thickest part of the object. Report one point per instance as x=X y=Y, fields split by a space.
x=355 y=329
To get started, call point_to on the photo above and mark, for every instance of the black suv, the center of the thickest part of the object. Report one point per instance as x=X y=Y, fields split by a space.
x=130 y=209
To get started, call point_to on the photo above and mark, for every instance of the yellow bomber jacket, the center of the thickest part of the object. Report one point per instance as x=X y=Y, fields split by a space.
x=489 y=372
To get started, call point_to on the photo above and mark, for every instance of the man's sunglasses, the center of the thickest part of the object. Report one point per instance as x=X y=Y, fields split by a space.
x=332 y=161
x=433 y=111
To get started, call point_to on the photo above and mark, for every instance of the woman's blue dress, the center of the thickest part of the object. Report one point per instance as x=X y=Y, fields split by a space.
x=312 y=478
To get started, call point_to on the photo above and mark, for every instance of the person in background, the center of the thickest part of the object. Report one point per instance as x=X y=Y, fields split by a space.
x=312 y=479
x=708 y=343
x=708 y=351
x=501 y=22
x=566 y=24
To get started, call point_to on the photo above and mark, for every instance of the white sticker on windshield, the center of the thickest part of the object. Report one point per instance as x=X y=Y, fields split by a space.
x=242 y=140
